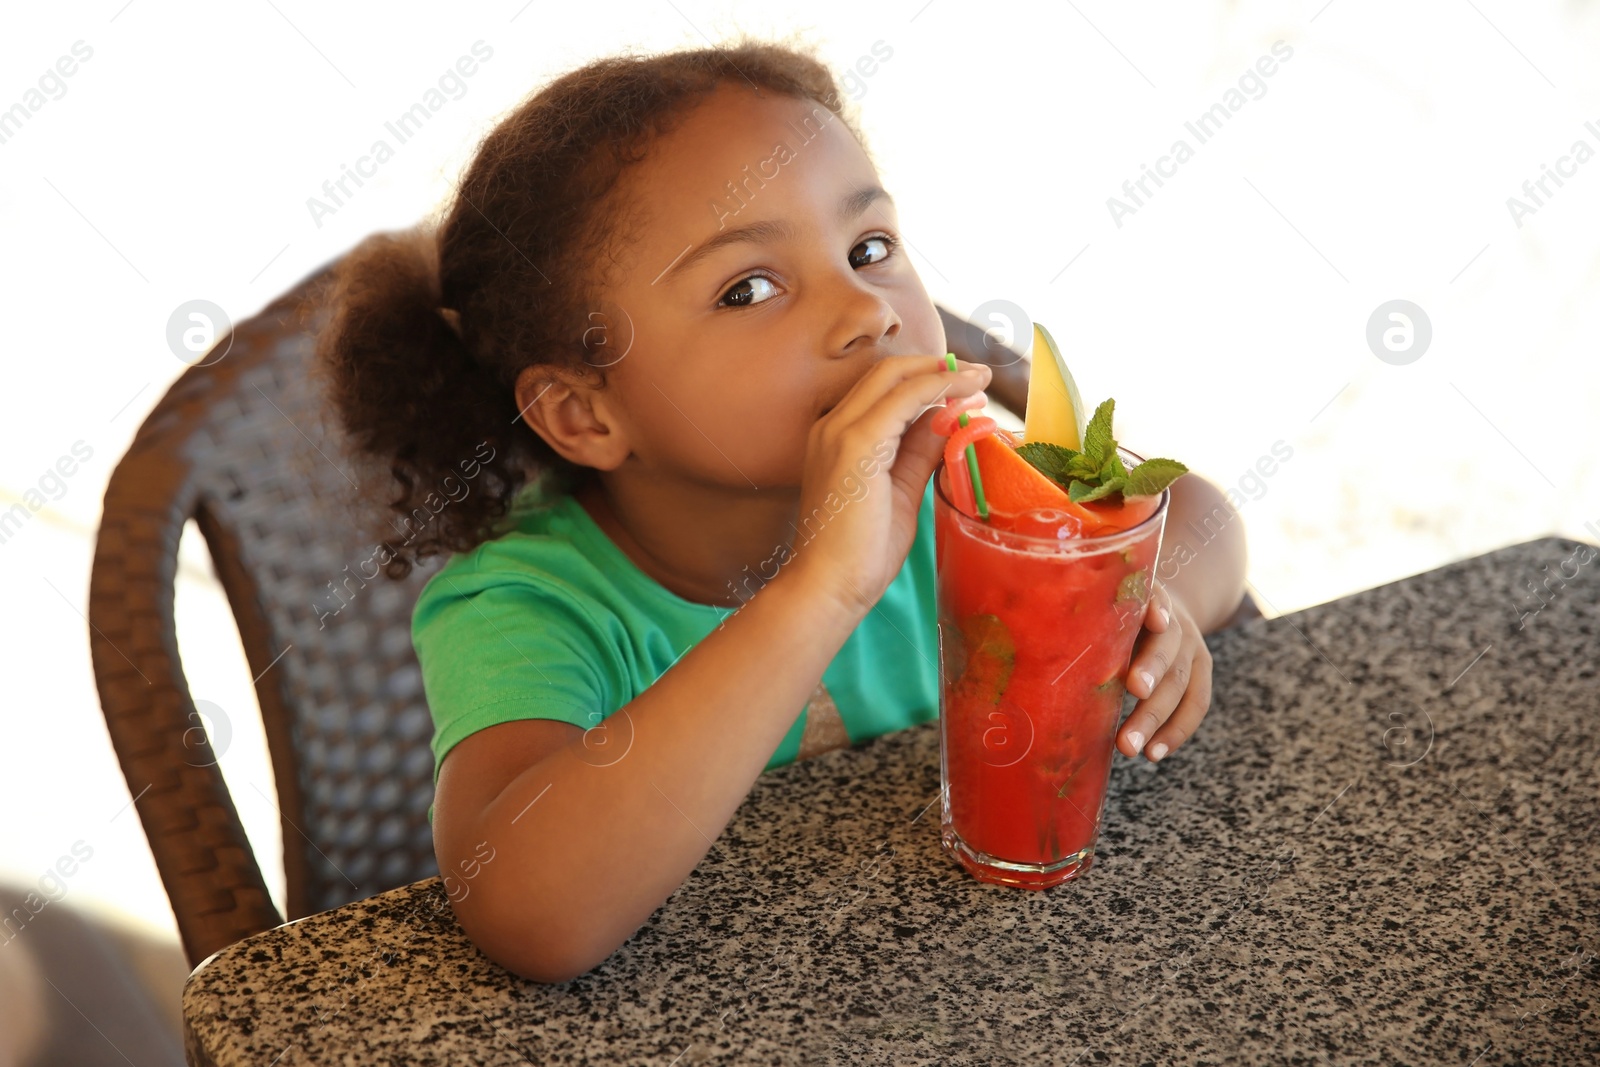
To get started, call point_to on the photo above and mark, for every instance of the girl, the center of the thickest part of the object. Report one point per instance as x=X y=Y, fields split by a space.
x=668 y=337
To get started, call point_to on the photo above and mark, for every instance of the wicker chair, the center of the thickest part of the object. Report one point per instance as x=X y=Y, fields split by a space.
x=242 y=446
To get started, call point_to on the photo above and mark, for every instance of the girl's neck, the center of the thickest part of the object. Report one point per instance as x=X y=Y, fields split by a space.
x=721 y=557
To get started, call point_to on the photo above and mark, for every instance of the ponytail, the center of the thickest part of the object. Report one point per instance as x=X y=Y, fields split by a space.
x=409 y=394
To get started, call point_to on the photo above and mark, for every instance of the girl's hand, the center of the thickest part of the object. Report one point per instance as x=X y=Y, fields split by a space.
x=866 y=470
x=1174 y=653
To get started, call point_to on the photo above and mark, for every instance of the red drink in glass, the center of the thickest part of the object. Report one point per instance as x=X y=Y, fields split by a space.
x=1035 y=636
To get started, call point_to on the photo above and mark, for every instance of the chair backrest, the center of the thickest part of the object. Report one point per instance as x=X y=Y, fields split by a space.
x=243 y=445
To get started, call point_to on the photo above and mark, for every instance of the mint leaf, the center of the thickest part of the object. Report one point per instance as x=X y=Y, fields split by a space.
x=1098 y=470
x=991 y=655
x=1097 y=440
x=1134 y=586
x=1083 y=469
x=1052 y=461
x=1078 y=491
x=1152 y=476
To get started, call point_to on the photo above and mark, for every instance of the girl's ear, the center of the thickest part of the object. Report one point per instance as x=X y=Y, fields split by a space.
x=571 y=415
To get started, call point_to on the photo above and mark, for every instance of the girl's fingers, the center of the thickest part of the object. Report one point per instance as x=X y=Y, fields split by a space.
x=893 y=373
x=1156 y=651
x=911 y=398
x=1158 y=609
x=1159 y=688
x=897 y=410
x=1185 y=719
x=1153 y=711
x=918 y=455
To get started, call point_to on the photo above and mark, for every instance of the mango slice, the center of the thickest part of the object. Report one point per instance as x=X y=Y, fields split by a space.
x=1055 y=408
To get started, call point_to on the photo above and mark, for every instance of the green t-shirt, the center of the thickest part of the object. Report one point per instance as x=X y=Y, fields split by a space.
x=552 y=620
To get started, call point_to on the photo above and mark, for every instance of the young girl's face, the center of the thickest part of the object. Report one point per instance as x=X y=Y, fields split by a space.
x=765 y=276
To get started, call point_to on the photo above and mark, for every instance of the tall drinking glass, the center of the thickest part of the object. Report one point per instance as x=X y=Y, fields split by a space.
x=1035 y=637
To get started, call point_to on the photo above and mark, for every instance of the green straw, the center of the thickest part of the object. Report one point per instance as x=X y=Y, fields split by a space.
x=972 y=452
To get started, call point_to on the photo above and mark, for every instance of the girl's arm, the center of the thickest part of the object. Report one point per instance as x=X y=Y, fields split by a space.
x=563 y=859
x=582 y=854
x=1203 y=554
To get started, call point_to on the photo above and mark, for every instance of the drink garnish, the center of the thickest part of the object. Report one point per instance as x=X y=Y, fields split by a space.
x=1055 y=406
x=1135 y=586
x=991 y=655
x=1098 y=471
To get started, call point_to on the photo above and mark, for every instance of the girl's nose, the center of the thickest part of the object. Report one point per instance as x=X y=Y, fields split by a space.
x=864 y=318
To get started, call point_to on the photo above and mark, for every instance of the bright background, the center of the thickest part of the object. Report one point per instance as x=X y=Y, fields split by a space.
x=1227 y=314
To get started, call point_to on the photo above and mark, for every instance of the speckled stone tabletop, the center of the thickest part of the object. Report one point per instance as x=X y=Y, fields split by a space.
x=1381 y=847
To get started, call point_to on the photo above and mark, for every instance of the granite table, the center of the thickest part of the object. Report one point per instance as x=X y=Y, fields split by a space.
x=1382 y=847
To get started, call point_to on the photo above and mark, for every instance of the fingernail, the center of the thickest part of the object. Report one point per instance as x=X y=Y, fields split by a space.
x=1136 y=739
x=1165 y=615
x=1157 y=750
x=1149 y=681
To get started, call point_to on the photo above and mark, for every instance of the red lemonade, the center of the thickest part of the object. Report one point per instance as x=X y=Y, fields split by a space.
x=1037 y=623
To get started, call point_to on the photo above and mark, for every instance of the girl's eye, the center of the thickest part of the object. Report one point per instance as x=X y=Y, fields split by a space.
x=757 y=288
x=887 y=243
x=748 y=291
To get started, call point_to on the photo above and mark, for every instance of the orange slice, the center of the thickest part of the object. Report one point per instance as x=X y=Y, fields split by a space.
x=1013 y=486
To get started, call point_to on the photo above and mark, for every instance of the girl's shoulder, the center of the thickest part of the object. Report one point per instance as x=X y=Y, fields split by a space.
x=542 y=521
x=540 y=549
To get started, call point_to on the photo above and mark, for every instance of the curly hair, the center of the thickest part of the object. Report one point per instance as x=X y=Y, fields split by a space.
x=429 y=328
